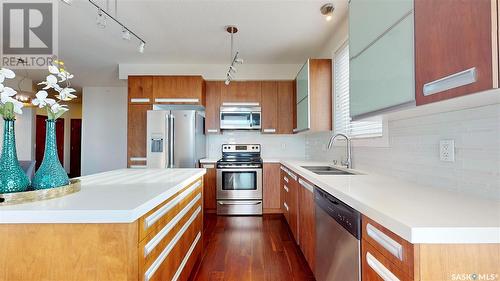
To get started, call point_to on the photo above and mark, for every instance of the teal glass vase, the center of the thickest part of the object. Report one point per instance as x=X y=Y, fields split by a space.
x=12 y=176
x=51 y=173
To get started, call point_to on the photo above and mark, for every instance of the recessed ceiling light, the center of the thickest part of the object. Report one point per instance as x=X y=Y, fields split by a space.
x=327 y=11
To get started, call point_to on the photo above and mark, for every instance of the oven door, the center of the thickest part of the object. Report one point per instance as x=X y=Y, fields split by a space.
x=239 y=183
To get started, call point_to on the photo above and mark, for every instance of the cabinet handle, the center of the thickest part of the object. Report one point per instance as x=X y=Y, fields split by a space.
x=138 y=166
x=285 y=179
x=385 y=241
x=285 y=205
x=455 y=80
x=212 y=130
x=379 y=268
x=134 y=159
x=269 y=131
x=133 y=100
x=240 y=104
x=180 y=100
x=306 y=185
x=208 y=166
x=239 y=203
x=294 y=177
x=285 y=188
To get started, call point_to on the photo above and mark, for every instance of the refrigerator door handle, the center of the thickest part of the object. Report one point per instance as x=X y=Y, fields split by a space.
x=171 y=139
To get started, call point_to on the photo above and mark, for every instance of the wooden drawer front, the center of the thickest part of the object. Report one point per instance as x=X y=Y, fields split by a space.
x=375 y=267
x=156 y=219
x=394 y=248
x=165 y=255
x=284 y=194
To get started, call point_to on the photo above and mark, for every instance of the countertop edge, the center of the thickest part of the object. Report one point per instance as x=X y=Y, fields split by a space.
x=414 y=235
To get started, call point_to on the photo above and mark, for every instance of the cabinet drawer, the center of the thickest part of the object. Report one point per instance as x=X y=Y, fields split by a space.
x=156 y=219
x=394 y=248
x=165 y=255
x=375 y=267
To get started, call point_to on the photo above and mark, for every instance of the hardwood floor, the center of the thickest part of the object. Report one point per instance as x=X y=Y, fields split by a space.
x=251 y=248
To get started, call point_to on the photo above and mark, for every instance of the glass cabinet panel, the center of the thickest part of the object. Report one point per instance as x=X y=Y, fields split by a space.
x=302 y=81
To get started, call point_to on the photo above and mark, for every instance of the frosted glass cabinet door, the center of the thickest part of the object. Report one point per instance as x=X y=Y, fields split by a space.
x=368 y=19
x=303 y=98
x=383 y=75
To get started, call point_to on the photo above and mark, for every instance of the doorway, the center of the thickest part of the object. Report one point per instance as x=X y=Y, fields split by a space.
x=40 y=139
x=76 y=148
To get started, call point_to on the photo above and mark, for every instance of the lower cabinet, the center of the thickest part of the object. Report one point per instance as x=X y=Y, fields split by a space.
x=271 y=192
x=210 y=188
x=307 y=222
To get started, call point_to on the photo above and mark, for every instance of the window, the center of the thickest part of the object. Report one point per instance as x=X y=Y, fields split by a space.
x=342 y=121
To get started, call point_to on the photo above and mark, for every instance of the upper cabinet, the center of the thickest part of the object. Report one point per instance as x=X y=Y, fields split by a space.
x=269 y=104
x=179 y=89
x=212 y=108
x=314 y=96
x=381 y=71
x=242 y=92
x=140 y=89
x=456 y=48
x=278 y=107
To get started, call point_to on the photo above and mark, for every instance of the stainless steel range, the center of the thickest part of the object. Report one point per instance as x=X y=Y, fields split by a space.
x=239 y=180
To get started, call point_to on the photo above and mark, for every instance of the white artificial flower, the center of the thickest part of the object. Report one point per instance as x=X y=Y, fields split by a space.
x=17 y=104
x=6 y=94
x=6 y=73
x=64 y=75
x=66 y=94
x=41 y=100
x=55 y=108
x=50 y=82
x=53 y=69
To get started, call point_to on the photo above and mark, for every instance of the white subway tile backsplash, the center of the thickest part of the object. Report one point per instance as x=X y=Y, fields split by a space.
x=413 y=152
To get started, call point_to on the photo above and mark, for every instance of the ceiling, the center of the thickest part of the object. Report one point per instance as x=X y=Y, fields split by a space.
x=189 y=32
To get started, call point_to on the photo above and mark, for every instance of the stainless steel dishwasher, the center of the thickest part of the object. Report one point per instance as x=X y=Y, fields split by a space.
x=338 y=233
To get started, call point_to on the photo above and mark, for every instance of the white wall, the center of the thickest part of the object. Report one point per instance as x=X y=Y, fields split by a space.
x=413 y=152
x=273 y=146
x=25 y=134
x=104 y=129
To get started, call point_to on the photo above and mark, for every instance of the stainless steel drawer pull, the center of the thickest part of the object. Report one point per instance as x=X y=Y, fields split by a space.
x=212 y=130
x=269 y=130
x=208 y=166
x=286 y=206
x=306 y=185
x=385 y=241
x=294 y=177
x=177 y=100
x=139 y=100
x=285 y=188
x=455 y=80
x=239 y=203
x=285 y=179
x=380 y=269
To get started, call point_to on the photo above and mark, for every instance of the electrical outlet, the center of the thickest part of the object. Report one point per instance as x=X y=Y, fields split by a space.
x=447 y=150
x=283 y=146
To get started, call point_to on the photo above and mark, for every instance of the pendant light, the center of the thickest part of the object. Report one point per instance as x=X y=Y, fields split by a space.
x=235 y=60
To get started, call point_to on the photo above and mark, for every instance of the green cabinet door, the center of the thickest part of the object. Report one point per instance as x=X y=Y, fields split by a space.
x=369 y=19
x=302 y=81
x=383 y=75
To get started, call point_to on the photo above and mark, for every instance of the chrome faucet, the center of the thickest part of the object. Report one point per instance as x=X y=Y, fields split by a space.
x=348 y=162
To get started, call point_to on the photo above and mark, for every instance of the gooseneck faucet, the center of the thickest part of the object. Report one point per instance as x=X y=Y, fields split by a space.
x=348 y=162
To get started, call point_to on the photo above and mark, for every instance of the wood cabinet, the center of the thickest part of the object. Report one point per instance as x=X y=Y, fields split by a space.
x=140 y=89
x=213 y=94
x=179 y=89
x=465 y=42
x=307 y=222
x=269 y=105
x=286 y=107
x=290 y=202
x=271 y=188
x=210 y=188
x=242 y=92
x=314 y=96
x=136 y=134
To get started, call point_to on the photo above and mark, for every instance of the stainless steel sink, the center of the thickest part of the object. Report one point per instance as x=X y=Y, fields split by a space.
x=326 y=170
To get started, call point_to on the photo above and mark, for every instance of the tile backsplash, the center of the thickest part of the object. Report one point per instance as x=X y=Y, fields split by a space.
x=273 y=146
x=413 y=151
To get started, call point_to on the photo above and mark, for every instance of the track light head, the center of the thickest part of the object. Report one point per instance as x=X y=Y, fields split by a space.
x=125 y=34
x=67 y=2
x=327 y=11
x=238 y=61
x=142 y=45
x=100 y=19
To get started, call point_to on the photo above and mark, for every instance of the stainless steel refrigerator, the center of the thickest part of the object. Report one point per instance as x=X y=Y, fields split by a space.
x=175 y=136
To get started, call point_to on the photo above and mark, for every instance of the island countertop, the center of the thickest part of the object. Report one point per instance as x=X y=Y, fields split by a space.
x=119 y=196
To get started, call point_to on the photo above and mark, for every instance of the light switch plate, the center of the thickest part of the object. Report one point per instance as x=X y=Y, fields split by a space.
x=447 y=150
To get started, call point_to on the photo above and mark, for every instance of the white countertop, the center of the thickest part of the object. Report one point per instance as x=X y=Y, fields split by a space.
x=120 y=196
x=417 y=213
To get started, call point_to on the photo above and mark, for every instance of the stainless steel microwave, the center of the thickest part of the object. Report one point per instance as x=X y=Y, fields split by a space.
x=240 y=117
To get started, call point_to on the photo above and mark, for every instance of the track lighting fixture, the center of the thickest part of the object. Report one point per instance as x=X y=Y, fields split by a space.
x=234 y=60
x=127 y=34
x=327 y=11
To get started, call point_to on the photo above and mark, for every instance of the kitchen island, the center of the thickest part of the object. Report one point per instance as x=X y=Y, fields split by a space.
x=123 y=225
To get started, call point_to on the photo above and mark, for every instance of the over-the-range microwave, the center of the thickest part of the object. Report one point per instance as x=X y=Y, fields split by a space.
x=240 y=116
